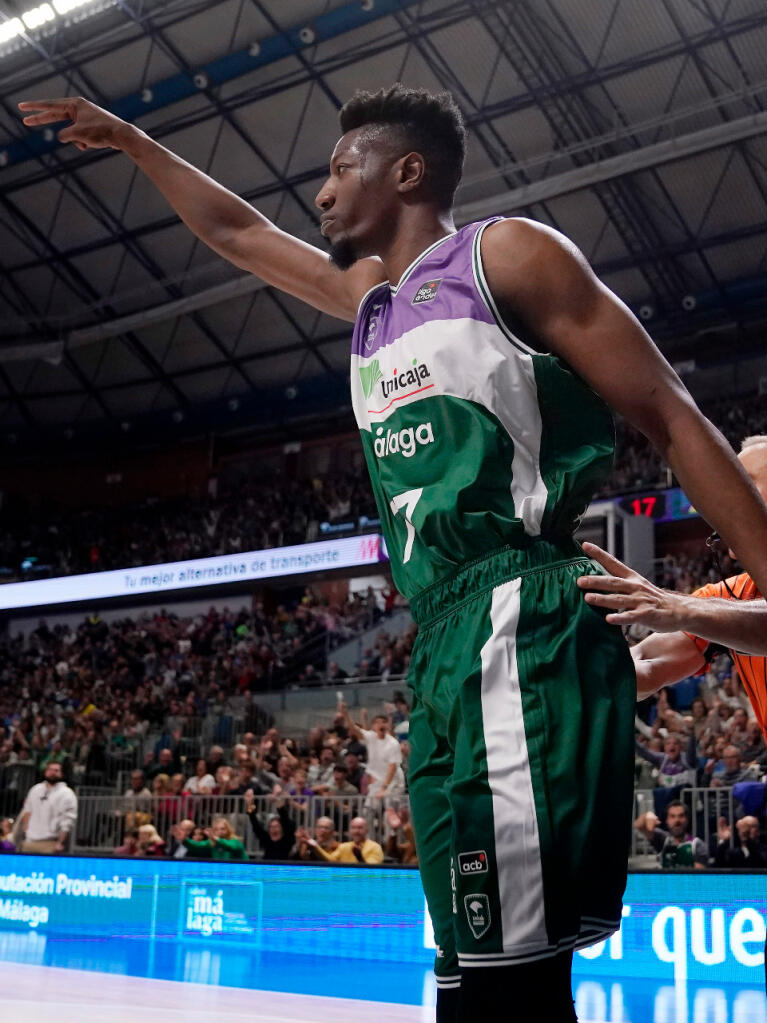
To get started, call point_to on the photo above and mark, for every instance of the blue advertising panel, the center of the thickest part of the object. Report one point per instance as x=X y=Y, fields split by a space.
x=691 y=946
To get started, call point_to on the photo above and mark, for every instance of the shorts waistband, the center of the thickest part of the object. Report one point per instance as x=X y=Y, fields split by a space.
x=498 y=566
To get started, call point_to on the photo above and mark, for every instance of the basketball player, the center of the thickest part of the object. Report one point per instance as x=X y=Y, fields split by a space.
x=483 y=362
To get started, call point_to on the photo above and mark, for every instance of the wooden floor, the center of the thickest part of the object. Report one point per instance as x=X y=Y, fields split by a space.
x=41 y=994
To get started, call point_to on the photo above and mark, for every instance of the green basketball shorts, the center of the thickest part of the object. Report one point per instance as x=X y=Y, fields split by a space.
x=521 y=773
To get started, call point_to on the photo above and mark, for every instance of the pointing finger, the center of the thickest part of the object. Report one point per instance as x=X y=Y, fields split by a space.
x=613 y=566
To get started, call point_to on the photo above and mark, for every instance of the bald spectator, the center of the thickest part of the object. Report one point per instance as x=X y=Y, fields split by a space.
x=749 y=852
x=360 y=848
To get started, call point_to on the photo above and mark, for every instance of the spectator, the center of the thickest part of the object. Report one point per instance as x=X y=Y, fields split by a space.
x=150 y=843
x=164 y=764
x=341 y=786
x=356 y=772
x=202 y=781
x=160 y=785
x=754 y=750
x=674 y=768
x=137 y=789
x=324 y=837
x=130 y=846
x=733 y=769
x=49 y=814
x=224 y=781
x=360 y=848
x=749 y=853
x=384 y=763
x=320 y=773
x=221 y=843
x=277 y=839
x=245 y=778
x=675 y=847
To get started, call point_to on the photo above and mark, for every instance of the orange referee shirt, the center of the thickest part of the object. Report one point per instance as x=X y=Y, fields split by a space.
x=752 y=669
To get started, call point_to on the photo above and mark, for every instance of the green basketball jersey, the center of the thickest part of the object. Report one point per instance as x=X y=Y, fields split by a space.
x=474 y=441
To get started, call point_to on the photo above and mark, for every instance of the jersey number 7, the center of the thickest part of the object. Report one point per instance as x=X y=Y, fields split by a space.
x=408 y=501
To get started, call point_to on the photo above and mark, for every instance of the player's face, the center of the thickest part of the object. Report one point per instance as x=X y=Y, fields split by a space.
x=355 y=199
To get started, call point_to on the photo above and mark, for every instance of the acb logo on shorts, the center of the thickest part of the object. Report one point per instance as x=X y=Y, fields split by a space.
x=472 y=862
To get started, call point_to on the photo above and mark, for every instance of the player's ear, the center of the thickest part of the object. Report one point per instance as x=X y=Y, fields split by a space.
x=411 y=170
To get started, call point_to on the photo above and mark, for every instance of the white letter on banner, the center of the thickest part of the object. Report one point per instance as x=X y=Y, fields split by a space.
x=590 y=1000
x=677 y=954
x=747 y=926
x=710 y=1006
x=749 y=1007
x=698 y=936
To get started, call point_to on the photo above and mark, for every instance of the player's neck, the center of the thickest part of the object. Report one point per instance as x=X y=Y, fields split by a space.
x=416 y=230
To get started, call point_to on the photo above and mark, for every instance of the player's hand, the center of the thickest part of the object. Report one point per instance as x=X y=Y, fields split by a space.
x=630 y=598
x=90 y=127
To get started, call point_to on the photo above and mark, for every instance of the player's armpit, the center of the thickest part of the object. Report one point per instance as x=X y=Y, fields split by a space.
x=663 y=659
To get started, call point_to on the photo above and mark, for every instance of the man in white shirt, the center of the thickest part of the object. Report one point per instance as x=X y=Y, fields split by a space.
x=384 y=764
x=49 y=814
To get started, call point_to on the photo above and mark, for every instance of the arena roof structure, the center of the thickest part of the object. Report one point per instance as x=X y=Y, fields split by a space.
x=637 y=129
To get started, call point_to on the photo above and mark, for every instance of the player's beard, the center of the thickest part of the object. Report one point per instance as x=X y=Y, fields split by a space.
x=343 y=255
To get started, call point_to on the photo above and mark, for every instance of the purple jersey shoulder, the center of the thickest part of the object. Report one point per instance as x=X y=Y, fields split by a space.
x=440 y=287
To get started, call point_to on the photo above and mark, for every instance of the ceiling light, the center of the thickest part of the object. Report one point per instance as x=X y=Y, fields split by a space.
x=38 y=16
x=11 y=29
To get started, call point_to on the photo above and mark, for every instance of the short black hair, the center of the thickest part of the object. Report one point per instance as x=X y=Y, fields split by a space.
x=674 y=804
x=430 y=124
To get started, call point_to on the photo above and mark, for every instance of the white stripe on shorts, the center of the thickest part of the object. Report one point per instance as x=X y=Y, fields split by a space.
x=517 y=847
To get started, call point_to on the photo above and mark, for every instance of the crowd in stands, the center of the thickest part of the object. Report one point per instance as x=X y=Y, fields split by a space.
x=145 y=697
x=264 y=513
x=703 y=736
x=315 y=798
x=89 y=697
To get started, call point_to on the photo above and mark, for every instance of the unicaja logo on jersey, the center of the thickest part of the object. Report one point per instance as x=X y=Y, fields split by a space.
x=403 y=442
x=369 y=376
x=407 y=379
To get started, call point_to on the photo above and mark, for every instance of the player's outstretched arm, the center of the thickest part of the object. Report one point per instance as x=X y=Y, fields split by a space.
x=632 y=599
x=663 y=659
x=544 y=280
x=224 y=221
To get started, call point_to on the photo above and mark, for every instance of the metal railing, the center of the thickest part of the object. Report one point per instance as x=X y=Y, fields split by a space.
x=15 y=781
x=102 y=821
